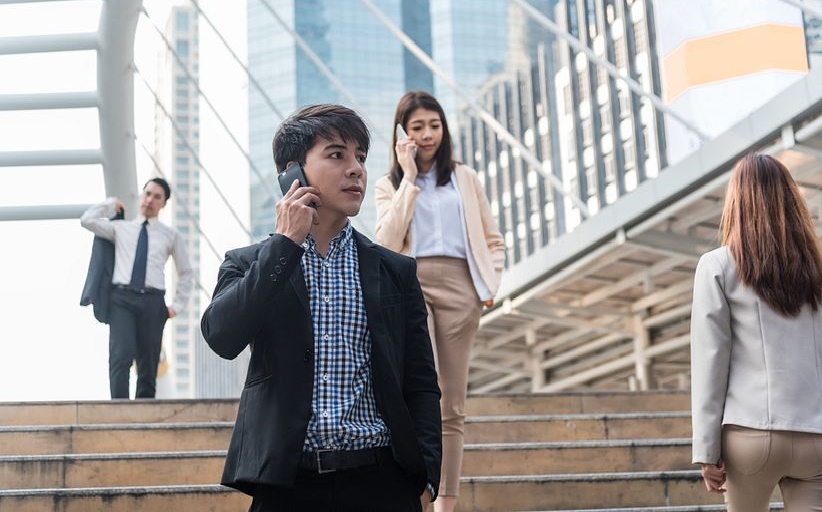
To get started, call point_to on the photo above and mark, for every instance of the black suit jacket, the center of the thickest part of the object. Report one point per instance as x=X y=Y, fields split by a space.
x=97 y=288
x=261 y=299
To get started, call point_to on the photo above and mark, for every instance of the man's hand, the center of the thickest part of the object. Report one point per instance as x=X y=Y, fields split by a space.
x=171 y=312
x=295 y=217
x=119 y=207
x=714 y=476
x=425 y=499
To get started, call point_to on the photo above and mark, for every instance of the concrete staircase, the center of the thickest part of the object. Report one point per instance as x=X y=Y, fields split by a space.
x=570 y=451
x=582 y=452
x=116 y=456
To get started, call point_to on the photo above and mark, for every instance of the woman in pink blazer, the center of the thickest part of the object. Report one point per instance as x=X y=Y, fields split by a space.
x=756 y=346
x=434 y=209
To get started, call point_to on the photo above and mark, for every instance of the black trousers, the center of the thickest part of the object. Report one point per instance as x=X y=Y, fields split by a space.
x=135 y=333
x=383 y=487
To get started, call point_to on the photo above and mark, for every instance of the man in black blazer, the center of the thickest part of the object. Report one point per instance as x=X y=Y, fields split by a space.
x=340 y=409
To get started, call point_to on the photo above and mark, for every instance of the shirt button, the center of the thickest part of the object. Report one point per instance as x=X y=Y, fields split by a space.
x=325 y=377
x=325 y=414
x=327 y=264
x=326 y=299
x=326 y=337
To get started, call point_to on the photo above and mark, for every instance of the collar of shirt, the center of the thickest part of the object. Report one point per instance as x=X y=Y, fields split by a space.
x=340 y=242
x=428 y=178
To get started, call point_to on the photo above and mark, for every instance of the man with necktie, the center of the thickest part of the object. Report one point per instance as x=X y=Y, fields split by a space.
x=137 y=309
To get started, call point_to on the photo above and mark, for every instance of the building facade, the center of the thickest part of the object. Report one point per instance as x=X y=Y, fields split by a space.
x=176 y=142
x=362 y=55
x=726 y=59
x=585 y=127
x=192 y=369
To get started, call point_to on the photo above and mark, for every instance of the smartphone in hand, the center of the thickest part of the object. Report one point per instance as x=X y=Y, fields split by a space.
x=401 y=135
x=291 y=173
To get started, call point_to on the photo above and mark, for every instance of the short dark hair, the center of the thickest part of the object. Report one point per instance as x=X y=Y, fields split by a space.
x=163 y=183
x=445 y=162
x=298 y=133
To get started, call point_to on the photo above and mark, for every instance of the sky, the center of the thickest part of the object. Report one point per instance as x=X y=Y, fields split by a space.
x=52 y=348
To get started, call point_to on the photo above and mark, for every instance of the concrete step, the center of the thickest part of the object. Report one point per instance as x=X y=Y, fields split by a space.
x=576 y=427
x=144 y=437
x=215 y=498
x=201 y=467
x=133 y=437
x=576 y=457
x=689 y=508
x=646 y=491
x=116 y=411
x=587 y=402
x=585 y=491
x=156 y=411
x=182 y=498
x=111 y=470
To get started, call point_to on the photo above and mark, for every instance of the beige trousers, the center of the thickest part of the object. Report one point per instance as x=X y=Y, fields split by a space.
x=759 y=460
x=453 y=319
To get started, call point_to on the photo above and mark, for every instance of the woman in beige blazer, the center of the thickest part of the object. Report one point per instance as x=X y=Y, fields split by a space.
x=756 y=346
x=434 y=209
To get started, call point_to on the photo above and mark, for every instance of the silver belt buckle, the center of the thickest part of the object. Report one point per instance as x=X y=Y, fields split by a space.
x=320 y=469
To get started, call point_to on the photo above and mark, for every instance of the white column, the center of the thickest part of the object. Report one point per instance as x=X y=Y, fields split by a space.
x=534 y=361
x=642 y=363
x=115 y=85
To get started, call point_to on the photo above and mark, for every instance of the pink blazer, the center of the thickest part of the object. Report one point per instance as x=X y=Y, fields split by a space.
x=395 y=210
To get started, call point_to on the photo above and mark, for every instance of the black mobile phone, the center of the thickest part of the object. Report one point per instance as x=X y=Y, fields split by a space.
x=291 y=173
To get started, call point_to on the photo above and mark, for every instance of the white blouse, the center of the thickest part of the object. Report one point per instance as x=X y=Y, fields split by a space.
x=439 y=227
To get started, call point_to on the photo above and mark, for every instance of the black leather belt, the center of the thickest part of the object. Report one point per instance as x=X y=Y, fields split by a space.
x=328 y=461
x=141 y=291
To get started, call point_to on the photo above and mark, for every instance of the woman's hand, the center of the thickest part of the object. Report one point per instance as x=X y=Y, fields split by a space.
x=714 y=476
x=406 y=153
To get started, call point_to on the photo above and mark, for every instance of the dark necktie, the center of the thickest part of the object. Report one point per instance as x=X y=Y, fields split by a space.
x=138 y=272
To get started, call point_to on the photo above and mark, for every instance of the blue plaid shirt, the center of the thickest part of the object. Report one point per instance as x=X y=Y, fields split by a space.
x=343 y=409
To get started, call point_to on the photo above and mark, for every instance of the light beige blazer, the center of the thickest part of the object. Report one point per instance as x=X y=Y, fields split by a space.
x=395 y=210
x=750 y=366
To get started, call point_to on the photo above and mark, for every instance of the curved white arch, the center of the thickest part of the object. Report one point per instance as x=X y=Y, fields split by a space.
x=115 y=86
x=114 y=100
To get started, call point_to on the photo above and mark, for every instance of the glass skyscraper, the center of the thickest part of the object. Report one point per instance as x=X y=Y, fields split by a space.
x=194 y=370
x=369 y=62
x=480 y=45
x=177 y=77
x=586 y=128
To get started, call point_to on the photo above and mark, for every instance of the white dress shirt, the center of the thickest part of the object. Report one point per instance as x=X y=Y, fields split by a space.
x=163 y=241
x=484 y=244
x=438 y=219
x=438 y=226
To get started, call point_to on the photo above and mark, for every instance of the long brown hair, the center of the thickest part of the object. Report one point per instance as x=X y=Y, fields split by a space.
x=768 y=228
x=445 y=162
